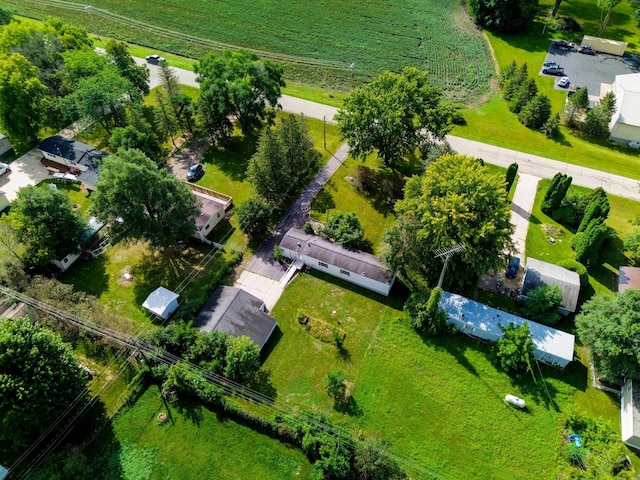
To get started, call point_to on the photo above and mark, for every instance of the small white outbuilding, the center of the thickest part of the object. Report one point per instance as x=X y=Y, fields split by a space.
x=630 y=413
x=162 y=302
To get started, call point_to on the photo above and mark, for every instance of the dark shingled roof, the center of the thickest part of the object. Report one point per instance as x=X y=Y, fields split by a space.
x=78 y=153
x=629 y=277
x=236 y=312
x=331 y=253
x=542 y=273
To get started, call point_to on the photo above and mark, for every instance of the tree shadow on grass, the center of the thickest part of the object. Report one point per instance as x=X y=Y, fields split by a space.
x=349 y=406
x=323 y=202
x=344 y=355
x=456 y=346
x=262 y=384
x=232 y=157
x=88 y=276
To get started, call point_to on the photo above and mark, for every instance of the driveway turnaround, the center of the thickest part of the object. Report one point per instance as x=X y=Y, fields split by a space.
x=26 y=170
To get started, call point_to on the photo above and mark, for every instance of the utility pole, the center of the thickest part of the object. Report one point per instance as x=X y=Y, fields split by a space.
x=447 y=253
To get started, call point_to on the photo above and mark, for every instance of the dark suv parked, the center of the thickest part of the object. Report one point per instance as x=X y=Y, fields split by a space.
x=563 y=45
x=195 y=171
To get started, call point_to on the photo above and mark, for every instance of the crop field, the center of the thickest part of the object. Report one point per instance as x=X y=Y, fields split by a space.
x=336 y=43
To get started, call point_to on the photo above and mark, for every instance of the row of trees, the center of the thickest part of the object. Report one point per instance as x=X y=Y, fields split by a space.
x=521 y=93
x=592 y=121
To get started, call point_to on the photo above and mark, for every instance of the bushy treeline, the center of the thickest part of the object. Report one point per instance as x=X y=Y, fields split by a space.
x=521 y=93
x=591 y=121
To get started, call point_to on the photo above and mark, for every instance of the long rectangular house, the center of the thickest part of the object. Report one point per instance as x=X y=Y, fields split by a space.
x=360 y=268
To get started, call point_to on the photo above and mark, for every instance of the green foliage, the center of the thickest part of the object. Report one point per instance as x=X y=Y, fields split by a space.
x=308 y=228
x=77 y=65
x=176 y=338
x=278 y=253
x=139 y=135
x=610 y=326
x=456 y=201
x=344 y=229
x=165 y=118
x=536 y=113
x=425 y=313
x=576 y=105
x=6 y=15
x=242 y=360
x=254 y=218
x=551 y=127
x=138 y=75
x=284 y=161
x=542 y=304
x=636 y=15
x=523 y=94
x=597 y=209
x=587 y=244
x=45 y=223
x=40 y=377
x=503 y=15
x=556 y=193
x=515 y=348
x=632 y=247
x=571 y=210
x=435 y=151
x=605 y=6
x=141 y=202
x=598 y=118
x=22 y=99
x=512 y=171
x=241 y=84
x=336 y=386
x=395 y=115
x=577 y=267
x=185 y=379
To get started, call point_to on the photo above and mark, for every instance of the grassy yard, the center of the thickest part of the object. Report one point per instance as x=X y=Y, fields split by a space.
x=195 y=442
x=603 y=278
x=374 y=37
x=437 y=401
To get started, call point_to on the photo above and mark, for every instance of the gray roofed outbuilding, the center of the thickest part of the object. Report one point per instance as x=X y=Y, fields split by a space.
x=323 y=250
x=540 y=273
x=236 y=312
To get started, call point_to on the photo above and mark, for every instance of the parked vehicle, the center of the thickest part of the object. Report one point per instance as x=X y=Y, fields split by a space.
x=564 y=82
x=512 y=269
x=4 y=168
x=550 y=65
x=586 y=49
x=563 y=45
x=155 y=59
x=559 y=71
x=634 y=145
x=194 y=172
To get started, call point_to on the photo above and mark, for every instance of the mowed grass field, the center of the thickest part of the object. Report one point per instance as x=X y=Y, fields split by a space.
x=438 y=402
x=374 y=36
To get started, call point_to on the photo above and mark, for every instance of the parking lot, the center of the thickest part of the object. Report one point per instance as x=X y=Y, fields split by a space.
x=591 y=70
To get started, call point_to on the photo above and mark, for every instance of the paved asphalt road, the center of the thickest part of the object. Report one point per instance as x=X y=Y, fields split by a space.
x=528 y=164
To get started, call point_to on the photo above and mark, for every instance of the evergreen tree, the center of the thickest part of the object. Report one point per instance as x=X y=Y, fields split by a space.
x=556 y=192
x=587 y=244
x=512 y=171
x=536 y=112
x=597 y=209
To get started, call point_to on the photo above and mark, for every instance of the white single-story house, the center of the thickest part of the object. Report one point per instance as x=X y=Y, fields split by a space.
x=630 y=413
x=539 y=273
x=360 y=268
x=74 y=157
x=92 y=229
x=628 y=277
x=162 y=302
x=625 y=121
x=238 y=313
x=552 y=346
x=5 y=145
x=214 y=206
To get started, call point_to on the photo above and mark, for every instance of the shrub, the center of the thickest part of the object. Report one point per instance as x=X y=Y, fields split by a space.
x=336 y=386
x=512 y=171
x=536 y=112
x=308 y=228
x=572 y=210
x=597 y=209
x=344 y=229
x=632 y=247
x=542 y=304
x=551 y=127
x=515 y=348
x=556 y=193
x=425 y=312
x=567 y=24
x=278 y=253
x=577 y=267
x=587 y=244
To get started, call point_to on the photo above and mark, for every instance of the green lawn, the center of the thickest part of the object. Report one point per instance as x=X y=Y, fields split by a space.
x=436 y=36
x=194 y=443
x=439 y=402
x=603 y=278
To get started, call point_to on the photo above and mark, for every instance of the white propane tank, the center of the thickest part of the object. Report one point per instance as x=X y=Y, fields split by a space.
x=513 y=400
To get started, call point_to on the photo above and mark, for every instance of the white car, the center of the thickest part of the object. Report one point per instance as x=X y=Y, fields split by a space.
x=564 y=82
x=4 y=168
x=634 y=145
x=155 y=59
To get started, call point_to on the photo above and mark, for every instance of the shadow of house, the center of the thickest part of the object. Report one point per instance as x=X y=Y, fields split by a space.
x=213 y=209
x=354 y=266
x=540 y=273
x=628 y=277
x=78 y=160
x=552 y=346
x=236 y=312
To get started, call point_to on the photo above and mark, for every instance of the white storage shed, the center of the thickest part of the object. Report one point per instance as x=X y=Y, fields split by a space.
x=630 y=414
x=554 y=347
x=162 y=302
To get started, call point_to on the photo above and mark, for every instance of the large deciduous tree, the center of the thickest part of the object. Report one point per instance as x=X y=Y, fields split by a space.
x=138 y=75
x=503 y=15
x=395 y=114
x=143 y=203
x=39 y=377
x=45 y=223
x=610 y=326
x=542 y=304
x=254 y=217
x=605 y=6
x=515 y=348
x=238 y=83
x=23 y=99
x=456 y=201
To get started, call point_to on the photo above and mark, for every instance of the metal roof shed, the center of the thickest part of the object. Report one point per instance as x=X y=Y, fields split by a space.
x=554 y=347
x=630 y=414
x=161 y=302
x=540 y=273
